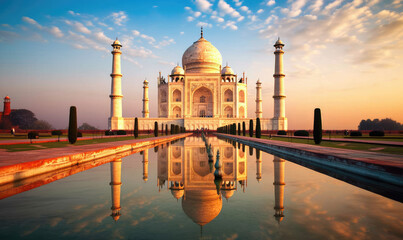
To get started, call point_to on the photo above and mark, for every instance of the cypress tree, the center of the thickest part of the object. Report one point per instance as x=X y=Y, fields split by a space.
x=258 y=131
x=233 y=129
x=72 y=133
x=243 y=128
x=239 y=128
x=166 y=129
x=317 y=126
x=136 y=128
x=162 y=128
x=155 y=129
x=251 y=128
x=172 y=129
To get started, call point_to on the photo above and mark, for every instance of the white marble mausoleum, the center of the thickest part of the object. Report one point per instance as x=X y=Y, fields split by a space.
x=200 y=94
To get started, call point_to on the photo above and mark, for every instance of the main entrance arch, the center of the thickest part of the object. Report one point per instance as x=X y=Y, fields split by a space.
x=202 y=103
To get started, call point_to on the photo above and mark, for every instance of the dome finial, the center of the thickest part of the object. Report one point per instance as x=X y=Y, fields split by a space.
x=201 y=32
x=116 y=38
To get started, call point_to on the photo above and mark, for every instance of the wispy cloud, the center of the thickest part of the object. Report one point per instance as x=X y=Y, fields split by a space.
x=119 y=18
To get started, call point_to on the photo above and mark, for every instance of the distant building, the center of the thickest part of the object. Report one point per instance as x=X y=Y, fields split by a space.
x=200 y=94
x=6 y=109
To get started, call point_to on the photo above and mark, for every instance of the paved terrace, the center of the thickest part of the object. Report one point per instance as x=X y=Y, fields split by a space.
x=19 y=165
x=46 y=140
x=380 y=166
x=387 y=143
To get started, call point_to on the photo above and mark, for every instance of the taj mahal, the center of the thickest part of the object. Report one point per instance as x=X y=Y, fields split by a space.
x=200 y=94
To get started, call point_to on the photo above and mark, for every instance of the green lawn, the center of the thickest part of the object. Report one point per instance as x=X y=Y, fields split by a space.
x=36 y=146
x=345 y=145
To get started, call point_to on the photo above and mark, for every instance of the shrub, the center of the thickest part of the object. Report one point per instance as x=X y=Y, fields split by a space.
x=355 y=134
x=56 y=132
x=155 y=129
x=136 y=128
x=258 y=130
x=72 y=134
x=108 y=132
x=251 y=128
x=79 y=134
x=301 y=133
x=33 y=135
x=281 y=132
x=377 y=133
x=121 y=132
x=317 y=126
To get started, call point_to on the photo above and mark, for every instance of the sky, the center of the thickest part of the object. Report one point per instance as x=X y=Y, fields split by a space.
x=343 y=56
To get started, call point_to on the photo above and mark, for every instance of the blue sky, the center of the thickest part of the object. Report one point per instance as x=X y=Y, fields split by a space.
x=340 y=55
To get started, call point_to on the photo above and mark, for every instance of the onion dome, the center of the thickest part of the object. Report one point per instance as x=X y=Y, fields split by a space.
x=227 y=71
x=177 y=193
x=279 y=43
x=178 y=70
x=145 y=81
x=202 y=206
x=202 y=57
x=227 y=193
x=116 y=42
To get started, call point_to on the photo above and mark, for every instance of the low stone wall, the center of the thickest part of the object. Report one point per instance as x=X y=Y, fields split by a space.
x=28 y=169
x=378 y=170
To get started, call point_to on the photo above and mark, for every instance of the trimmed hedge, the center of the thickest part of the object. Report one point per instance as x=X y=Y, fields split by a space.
x=121 y=132
x=301 y=133
x=355 y=134
x=57 y=133
x=33 y=135
x=376 y=133
x=281 y=132
x=79 y=134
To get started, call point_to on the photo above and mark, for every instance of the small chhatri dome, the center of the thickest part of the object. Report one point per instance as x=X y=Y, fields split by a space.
x=178 y=70
x=202 y=57
x=258 y=81
x=116 y=42
x=145 y=81
x=177 y=193
x=227 y=71
x=7 y=98
x=279 y=43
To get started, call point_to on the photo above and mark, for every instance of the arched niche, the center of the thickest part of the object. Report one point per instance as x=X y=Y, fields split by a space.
x=163 y=96
x=242 y=112
x=228 y=111
x=176 y=96
x=228 y=95
x=177 y=112
x=202 y=102
x=241 y=96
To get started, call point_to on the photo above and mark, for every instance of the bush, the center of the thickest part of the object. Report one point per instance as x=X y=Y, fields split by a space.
x=258 y=130
x=301 y=133
x=57 y=133
x=121 y=132
x=317 y=126
x=377 y=133
x=33 y=135
x=108 y=133
x=72 y=133
x=281 y=132
x=79 y=134
x=355 y=134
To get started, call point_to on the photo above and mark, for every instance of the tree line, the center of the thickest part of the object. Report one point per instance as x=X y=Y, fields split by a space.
x=386 y=124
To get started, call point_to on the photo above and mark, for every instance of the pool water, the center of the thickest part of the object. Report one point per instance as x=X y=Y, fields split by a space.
x=169 y=192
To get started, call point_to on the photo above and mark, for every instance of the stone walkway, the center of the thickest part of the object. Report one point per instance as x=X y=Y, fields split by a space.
x=46 y=140
x=335 y=157
x=19 y=165
x=388 y=143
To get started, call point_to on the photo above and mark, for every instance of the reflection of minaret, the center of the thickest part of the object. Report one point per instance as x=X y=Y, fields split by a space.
x=116 y=170
x=279 y=188
x=145 y=165
x=258 y=166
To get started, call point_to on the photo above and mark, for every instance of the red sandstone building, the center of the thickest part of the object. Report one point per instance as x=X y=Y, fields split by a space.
x=7 y=108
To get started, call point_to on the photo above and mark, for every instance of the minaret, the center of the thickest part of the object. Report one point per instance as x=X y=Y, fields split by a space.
x=279 y=188
x=145 y=165
x=146 y=112
x=258 y=165
x=116 y=90
x=7 y=108
x=259 y=99
x=279 y=120
x=116 y=171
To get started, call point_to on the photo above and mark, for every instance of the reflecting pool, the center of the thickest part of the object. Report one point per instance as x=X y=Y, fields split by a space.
x=169 y=192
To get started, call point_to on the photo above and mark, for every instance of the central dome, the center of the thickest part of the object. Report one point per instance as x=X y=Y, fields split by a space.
x=202 y=57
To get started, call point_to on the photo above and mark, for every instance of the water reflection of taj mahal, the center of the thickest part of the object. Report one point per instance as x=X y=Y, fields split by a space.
x=183 y=168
